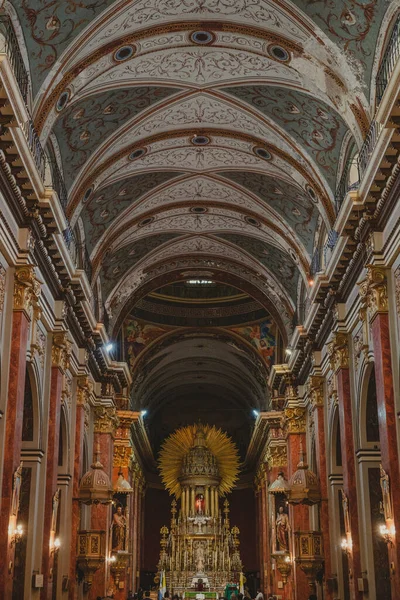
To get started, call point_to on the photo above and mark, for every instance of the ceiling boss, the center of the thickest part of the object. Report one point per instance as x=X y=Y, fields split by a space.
x=199 y=465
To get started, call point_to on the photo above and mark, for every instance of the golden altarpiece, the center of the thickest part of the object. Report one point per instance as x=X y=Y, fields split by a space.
x=200 y=551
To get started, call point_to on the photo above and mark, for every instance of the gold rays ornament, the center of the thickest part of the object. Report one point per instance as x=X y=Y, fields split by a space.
x=178 y=444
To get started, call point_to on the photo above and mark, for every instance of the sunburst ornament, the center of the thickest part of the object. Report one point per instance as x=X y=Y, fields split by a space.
x=179 y=443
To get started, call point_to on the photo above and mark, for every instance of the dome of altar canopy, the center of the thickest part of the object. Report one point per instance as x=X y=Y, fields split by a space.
x=200 y=460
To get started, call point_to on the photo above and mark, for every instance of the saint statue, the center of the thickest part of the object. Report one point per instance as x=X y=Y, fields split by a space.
x=118 y=530
x=282 y=529
x=199 y=504
x=56 y=502
x=200 y=559
x=16 y=491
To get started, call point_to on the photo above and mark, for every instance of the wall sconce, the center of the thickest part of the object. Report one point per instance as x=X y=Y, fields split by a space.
x=112 y=559
x=16 y=535
x=387 y=533
x=346 y=545
x=54 y=548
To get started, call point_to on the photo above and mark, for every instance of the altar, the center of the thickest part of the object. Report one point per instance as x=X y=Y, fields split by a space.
x=200 y=550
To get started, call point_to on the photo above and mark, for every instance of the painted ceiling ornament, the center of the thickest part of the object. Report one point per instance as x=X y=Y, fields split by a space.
x=216 y=444
x=263 y=153
x=278 y=53
x=202 y=38
x=124 y=53
x=62 y=100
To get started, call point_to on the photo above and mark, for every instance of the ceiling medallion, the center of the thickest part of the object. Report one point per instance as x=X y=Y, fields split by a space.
x=203 y=38
x=200 y=140
x=62 y=100
x=145 y=222
x=198 y=209
x=310 y=191
x=123 y=53
x=262 y=153
x=278 y=53
x=87 y=194
x=137 y=154
x=252 y=221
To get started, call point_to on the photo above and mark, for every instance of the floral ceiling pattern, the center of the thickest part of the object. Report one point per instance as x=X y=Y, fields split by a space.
x=83 y=126
x=317 y=127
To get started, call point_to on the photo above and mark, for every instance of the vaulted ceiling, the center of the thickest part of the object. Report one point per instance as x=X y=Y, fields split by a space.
x=202 y=137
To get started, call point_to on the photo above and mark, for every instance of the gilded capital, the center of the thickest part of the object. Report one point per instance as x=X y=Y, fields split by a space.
x=295 y=419
x=373 y=291
x=276 y=456
x=60 y=350
x=83 y=390
x=26 y=288
x=338 y=350
x=106 y=419
x=122 y=455
x=315 y=390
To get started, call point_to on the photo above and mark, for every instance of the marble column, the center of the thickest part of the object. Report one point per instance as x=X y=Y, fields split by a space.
x=339 y=355
x=316 y=399
x=82 y=398
x=264 y=527
x=26 y=293
x=104 y=430
x=374 y=295
x=60 y=358
x=295 y=421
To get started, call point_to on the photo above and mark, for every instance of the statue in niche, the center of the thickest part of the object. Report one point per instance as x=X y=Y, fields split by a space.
x=282 y=529
x=199 y=504
x=200 y=559
x=386 y=499
x=118 y=530
x=346 y=514
x=16 y=491
x=56 y=502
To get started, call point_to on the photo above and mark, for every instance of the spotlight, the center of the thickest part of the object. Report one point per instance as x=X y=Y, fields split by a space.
x=255 y=413
x=288 y=351
x=109 y=347
x=143 y=413
x=311 y=282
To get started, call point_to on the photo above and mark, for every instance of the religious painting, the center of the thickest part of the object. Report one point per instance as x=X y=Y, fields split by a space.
x=137 y=336
x=262 y=336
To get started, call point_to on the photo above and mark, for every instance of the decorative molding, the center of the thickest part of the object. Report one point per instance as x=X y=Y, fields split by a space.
x=397 y=290
x=60 y=350
x=295 y=419
x=84 y=389
x=106 y=419
x=338 y=350
x=26 y=288
x=373 y=291
x=315 y=390
x=122 y=455
x=3 y=274
x=276 y=456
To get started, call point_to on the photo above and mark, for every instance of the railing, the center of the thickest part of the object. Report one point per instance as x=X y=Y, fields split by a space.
x=35 y=147
x=58 y=184
x=330 y=244
x=344 y=184
x=9 y=45
x=368 y=147
x=70 y=240
x=315 y=262
x=388 y=63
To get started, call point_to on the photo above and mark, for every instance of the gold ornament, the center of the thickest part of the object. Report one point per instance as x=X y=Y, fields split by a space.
x=61 y=350
x=26 y=288
x=177 y=446
x=338 y=350
x=315 y=390
x=295 y=419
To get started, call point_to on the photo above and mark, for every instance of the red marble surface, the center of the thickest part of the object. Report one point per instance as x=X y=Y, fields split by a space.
x=349 y=475
x=320 y=451
x=387 y=430
x=75 y=513
x=53 y=438
x=273 y=575
x=298 y=515
x=12 y=442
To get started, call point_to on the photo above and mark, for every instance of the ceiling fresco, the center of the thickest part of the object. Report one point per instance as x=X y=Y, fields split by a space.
x=50 y=27
x=277 y=261
x=289 y=202
x=115 y=264
x=86 y=124
x=103 y=207
x=314 y=125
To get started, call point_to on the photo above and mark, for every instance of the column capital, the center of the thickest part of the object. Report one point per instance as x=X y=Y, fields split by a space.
x=26 y=288
x=60 y=350
x=373 y=291
x=295 y=419
x=276 y=455
x=338 y=350
x=83 y=391
x=122 y=455
x=106 y=419
x=315 y=390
